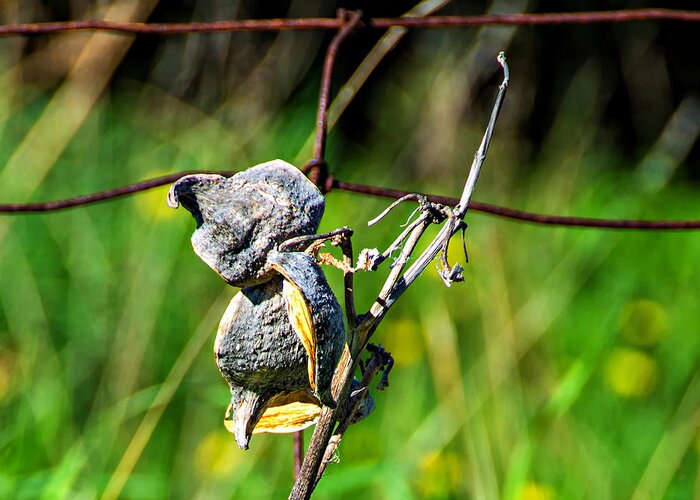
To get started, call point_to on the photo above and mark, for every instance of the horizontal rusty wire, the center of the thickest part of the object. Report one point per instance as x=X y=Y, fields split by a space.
x=505 y=212
x=344 y=22
x=612 y=16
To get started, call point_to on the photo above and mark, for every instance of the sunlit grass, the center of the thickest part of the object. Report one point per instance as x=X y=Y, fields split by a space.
x=564 y=367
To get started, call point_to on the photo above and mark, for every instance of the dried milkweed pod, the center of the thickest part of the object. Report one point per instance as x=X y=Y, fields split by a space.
x=240 y=219
x=277 y=346
x=282 y=335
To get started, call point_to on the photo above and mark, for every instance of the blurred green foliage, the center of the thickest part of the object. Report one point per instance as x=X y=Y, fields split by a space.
x=566 y=366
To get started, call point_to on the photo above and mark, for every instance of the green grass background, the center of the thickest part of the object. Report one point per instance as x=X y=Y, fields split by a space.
x=565 y=366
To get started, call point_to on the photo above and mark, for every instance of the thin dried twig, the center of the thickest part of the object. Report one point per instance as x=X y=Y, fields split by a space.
x=459 y=211
x=380 y=360
x=411 y=196
x=298 y=452
x=340 y=238
x=396 y=243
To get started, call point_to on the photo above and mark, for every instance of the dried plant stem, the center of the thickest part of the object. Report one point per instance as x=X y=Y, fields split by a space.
x=480 y=155
x=410 y=196
x=298 y=452
x=345 y=244
x=398 y=241
x=447 y=231
x=382 y=304
x=340 y=238
x=374 y=365
x=324 y=440
x=308 y=476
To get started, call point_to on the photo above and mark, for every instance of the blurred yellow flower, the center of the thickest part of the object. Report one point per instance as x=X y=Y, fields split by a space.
x=536 y=491
x=440 y=474
x=217 y=454
x=631 y=373
x=643 y=322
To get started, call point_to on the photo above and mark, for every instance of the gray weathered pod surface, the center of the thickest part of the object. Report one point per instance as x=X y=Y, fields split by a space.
x=240 y=219
x=282 y=335
x=305 y=286
x=296 y=339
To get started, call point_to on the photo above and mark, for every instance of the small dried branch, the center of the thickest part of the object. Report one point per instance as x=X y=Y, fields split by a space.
x=324 y=441
x=376 y=261
x=612 y=16
x=344 y=241
x=410 y=196
x=388 y=297
x=298 y=451
x=451 y=274
x=361 y=403
x=339 y=238
x=427 y=208
x=310 y=241
x=480 y=155
x=420 y=226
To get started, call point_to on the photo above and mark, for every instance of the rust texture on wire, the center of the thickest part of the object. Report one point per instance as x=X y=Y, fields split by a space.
x=345 y=22
x=612 y=16
x=505 y=212
x=521 y=215
x=316 y=169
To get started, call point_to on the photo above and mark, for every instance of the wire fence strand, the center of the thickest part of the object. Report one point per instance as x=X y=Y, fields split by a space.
x=363 y=189
x=323 y=23
x=343 y=23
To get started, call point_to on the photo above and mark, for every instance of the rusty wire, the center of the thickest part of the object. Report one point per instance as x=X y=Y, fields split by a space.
x=316 y=169
x=365 y=189
x=612 y=16
x=344 y=23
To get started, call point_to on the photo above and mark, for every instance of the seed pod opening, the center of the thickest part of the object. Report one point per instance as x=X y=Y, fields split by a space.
x=283 y=413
